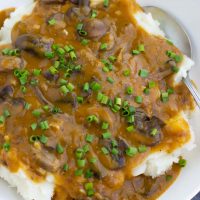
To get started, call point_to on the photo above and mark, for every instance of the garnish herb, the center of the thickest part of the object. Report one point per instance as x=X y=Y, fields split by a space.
x=59 y=148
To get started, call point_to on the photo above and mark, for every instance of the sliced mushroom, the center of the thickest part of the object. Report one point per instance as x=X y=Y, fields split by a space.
x=34 y=43
x=9 y=63
x=6 y=91
x=46 y=159
x=95 y=28
x=41 y=97
x=145 y=124
x=114 y=162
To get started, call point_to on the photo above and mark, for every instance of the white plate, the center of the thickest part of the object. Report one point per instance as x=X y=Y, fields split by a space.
x=188 y=183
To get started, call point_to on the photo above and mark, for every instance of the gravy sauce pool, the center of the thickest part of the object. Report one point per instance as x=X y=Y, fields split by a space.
x=86 y=95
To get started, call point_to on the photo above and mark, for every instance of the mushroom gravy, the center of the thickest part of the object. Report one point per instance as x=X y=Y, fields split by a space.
x=86 y=95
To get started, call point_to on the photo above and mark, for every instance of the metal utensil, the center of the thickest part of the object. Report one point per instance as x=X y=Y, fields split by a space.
x=181 y=39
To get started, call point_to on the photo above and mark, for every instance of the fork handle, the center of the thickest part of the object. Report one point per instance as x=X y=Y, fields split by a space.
x=193 y=90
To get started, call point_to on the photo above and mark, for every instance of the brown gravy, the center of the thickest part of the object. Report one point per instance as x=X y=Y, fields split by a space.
x=54 y=119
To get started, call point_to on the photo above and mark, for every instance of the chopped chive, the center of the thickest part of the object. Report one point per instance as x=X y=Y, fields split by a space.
x=79 y=172
x=33 y=139
x=141 y=47
x=46 y=107
x=170 y=91
x=175 y=69
x=135 y=52
x=106 y=3
x=105 y=150
x=129 y=90
x=6 y=146
x=131 y=110
x=164 y=97
x=105 y=126
x=95 y=86
x=89 y=174
x=114 y=143
x=104 y=100
x=36 y=113
x=89 y=189
x=182 y=162
x=116 y=108
x=130 y=119
x=81 y=163
x=59 y=148
x=142 y=149
x=118 y=101
x=79 y=153
x=154 y=132
x=64 y=89
x=105 y=69
x=138 y=99
x=52 y=22
x=36 y=72
x=131 y=151
x=23 y=89
x=126 y=72
x=106 y=135
x=110 y=80
x=146 y=91
x=178 y=58
x=79 y=27
x=63 y=81
x=80 y=99
x=69 y=48
x=112 y=58
x=27 y=106
x=93 y=14
x=86 y=87
x=65 y=167
x=33 y=126
x=130 y=128
x=152 y=84
x=72 y=55
x=86 y=148
x=6 y=113
x=92 y=118
x=53 y=70
x=49 y=54
x=70 y=87
x=60 y=51
x=115 y=151
x=89 y=138
x=44 y=125
x=82 y=33
x=99 y=96
x=93 y=160
x=84 y=42
x=34 y=82
x=43 y=139
x=143 y=73
x=103 y=46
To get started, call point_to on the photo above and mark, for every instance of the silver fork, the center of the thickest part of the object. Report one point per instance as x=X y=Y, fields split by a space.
x=181 y=39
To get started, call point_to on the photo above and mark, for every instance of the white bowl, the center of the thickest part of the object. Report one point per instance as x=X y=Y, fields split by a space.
x=188 y=183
